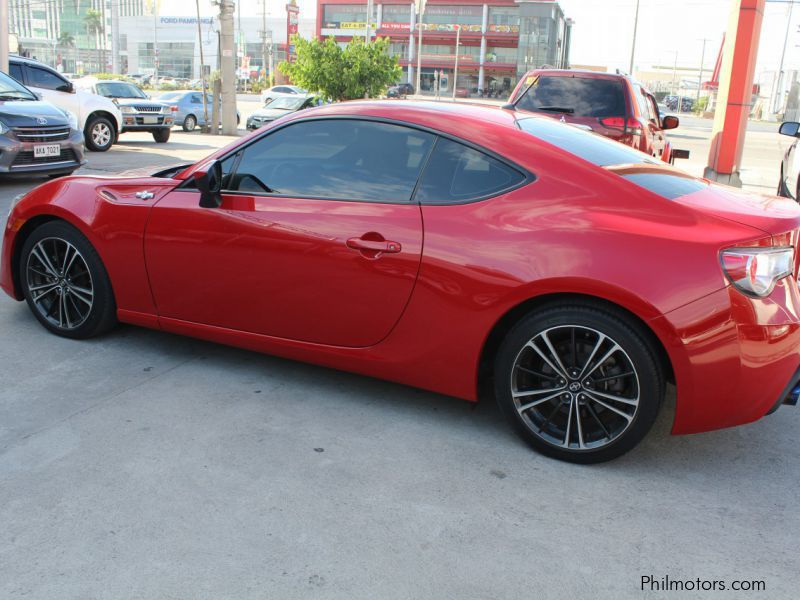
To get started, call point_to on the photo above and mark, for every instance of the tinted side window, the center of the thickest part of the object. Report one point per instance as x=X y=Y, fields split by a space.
x=15 y=70
x=197 y=99
x=457 y=173
x=579 y=96
x=340 y=159
x=641 y=100
x=44 y=79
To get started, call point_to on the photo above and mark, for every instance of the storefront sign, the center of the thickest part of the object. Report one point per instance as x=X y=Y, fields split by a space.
x=504 y=28
x=353 y=25
x=292 y=19
x=185 y=20
x=450 y=27
x=396 y=26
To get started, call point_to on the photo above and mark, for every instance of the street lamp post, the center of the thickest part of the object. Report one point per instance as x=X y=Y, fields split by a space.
x=633 y=44
x=421 y=11
x=455 y=70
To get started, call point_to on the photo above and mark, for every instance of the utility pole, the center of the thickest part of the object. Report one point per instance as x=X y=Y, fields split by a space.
x=115 y=66
x=369 y=21
x=205 y=127
x=228 y=67
x=455 y=70
x=421 y=10
x=702 y=63
x=155 y=43
x=633 y=45
x=776 y=106
x=4 y=18
x=264 y=51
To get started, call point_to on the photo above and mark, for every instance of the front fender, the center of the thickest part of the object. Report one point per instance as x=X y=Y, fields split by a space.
x=107 y=212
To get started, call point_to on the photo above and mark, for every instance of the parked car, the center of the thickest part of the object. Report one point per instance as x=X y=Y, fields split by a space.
x=400 y=90
x=789 y=184
x=35 y=136
x=462 y=92
x=671 y=102
x=609 y=104
x=574 y=274
x=280 y=107
x=99 y=118
x=139 y=113
x=281 y=90
x=187 y=108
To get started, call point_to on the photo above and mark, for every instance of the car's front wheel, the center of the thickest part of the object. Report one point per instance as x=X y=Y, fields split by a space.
x=99 y=134
x=578 y=383
x=161 y=136
x=65 y=283
x=189 y=123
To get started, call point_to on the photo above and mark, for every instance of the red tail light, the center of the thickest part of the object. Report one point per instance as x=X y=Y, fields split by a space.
x=633 y=126
x=755 y=271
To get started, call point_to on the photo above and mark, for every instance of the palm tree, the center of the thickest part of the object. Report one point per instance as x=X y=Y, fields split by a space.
x=65 y=40
x=95 y=26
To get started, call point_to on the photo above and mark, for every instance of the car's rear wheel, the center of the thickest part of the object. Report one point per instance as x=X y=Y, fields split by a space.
x=578 y=383
x=189 y=123
x=65 y=283
x=99 y=134
x=161 y=136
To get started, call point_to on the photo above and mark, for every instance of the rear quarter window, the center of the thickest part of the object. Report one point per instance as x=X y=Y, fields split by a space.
x=580 y=96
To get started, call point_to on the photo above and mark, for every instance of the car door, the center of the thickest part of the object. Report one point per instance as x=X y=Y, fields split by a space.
x=659 y=139
x=791 y=171
x=316 y=240
x=52 y=87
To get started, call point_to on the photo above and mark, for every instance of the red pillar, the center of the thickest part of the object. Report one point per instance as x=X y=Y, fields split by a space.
x=735 y=91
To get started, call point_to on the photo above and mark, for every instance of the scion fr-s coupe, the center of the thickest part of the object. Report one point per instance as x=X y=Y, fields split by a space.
x=444 y=247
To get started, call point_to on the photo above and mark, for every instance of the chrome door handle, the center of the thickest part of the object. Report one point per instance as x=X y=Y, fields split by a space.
x=145 y=195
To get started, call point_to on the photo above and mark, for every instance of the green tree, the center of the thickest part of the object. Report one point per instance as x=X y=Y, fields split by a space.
x=358 y=70
x=93 y=20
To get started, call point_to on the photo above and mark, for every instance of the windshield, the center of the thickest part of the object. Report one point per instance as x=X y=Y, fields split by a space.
x=577 y=96
x=11 y=89
x=118 y=89
x=287 y=103
x=170 y=96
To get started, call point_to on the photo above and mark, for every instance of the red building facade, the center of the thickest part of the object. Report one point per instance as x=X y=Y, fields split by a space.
x=499 y=40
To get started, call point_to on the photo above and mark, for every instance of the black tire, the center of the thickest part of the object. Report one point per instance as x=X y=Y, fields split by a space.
x=189 y=123
x=99 y=134
x=33 y=272
x=596 y=433
x=161 y=136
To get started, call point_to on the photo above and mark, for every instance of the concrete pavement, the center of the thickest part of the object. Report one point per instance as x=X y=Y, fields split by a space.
x=143 y=465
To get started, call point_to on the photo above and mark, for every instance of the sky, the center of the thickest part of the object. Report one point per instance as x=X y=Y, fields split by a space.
x=604 y=28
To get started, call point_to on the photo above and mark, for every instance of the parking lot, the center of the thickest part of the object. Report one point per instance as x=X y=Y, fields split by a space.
x=147 y=465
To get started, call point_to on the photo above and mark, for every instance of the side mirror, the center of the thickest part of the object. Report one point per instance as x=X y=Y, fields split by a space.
x=670 y=122
x=790 y=128
x=209 y=181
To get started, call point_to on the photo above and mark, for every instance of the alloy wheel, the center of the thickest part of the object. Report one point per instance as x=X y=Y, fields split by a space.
x=101 y=134
x=575 y=388
x=59 y=283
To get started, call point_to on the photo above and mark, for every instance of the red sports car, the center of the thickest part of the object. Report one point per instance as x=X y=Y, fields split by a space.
x=444 y=247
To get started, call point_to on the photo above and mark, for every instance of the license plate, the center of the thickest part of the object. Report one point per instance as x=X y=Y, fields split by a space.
x=149 y=120
x=46 y=151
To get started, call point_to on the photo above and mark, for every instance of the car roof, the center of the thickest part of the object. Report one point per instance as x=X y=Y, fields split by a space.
x=442 y=116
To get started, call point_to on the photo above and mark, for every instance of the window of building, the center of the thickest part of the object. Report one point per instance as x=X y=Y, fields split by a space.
x=504 y=15
x=453 y=15
x=346 y=16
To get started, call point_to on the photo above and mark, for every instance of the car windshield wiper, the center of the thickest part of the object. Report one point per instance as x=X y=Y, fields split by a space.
x=560 y=109
x=15 y=97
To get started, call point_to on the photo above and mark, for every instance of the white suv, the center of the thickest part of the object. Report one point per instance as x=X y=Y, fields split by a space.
x=99 y=118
